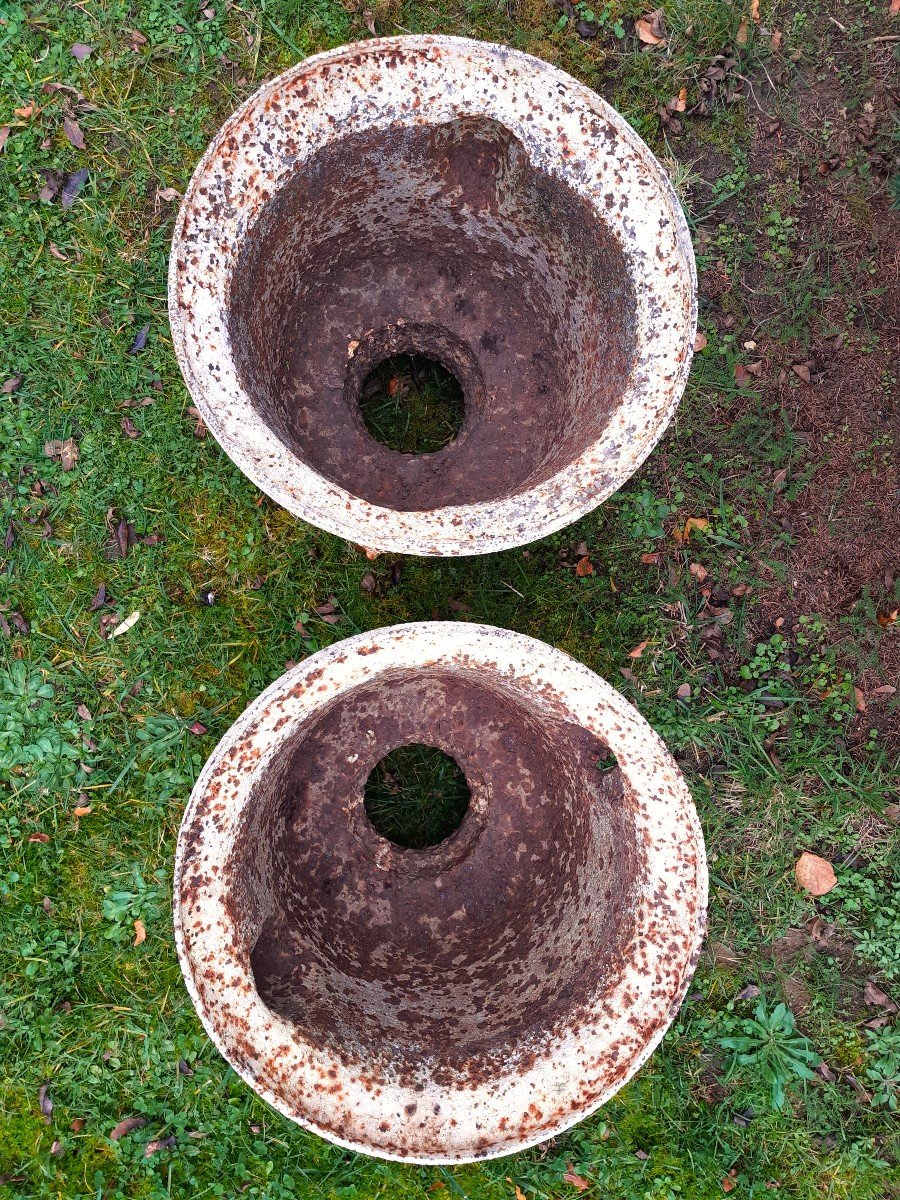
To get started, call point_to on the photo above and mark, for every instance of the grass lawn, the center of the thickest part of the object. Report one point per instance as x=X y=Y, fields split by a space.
x=761 y=639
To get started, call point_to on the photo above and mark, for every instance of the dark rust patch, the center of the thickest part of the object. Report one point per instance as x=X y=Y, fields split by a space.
x=451 y=962
x=442 y=240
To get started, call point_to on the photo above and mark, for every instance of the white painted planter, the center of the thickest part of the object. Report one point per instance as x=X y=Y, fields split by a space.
x=467 y=1000
x=453 y=198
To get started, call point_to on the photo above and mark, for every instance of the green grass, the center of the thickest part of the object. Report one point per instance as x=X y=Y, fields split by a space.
x=122 y=725
x=412 y=404
x=416 y=796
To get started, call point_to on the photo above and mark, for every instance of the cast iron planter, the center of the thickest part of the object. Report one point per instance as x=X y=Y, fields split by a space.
x=469 y=999
x=454 y=199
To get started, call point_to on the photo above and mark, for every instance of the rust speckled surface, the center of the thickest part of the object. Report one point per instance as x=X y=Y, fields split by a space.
x=469 y=999
x=451 y=198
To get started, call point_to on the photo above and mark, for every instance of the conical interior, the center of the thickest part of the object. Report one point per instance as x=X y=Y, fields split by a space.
x=452 y=962
x=445 y=241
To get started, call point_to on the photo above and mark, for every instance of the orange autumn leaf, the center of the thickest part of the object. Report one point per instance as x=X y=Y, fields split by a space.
x=814 y=874
x=889 y=619
x=577 y=1182
x=82 y=810
x=699 y=572
x=583 y=567
x=638 y=650
x=140 y=933
x=754 y=10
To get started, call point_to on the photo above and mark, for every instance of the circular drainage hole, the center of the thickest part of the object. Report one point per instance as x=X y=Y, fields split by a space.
x=412 y=404
x=416 y=796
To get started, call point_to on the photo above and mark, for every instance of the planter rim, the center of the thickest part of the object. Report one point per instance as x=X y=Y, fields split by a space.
x=634 y=1015
x=456 y=77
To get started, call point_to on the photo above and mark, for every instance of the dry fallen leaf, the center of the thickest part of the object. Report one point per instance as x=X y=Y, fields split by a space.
x=814 y=874
x=701 y=341
x=73 y=132
x=82 y=810
x=754 y=10
x=684 y=692
x=728 y=1183
x=81 y=51
x=699 y=572
x=802 y=371
x=638 y=650
x=876 y=998
x=895 y=8
x=583 y=567
x=860 y=700
x=743 y=32
x=45 y=1102
x=576 y=1181
x=742 y=376
x=520 y=1195
x=126 y=1126
x=168 y=193
x=650 y=558
x=127 y=624
x=679 y=104
x=140 y=933
x=889 y=618
x=776 y=38
x=43 y=838
x=651 y=29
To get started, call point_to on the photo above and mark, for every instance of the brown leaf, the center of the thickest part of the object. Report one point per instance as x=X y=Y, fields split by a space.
x=684 y=535
x=876 y=998
x=168 y=193
x=701 y=341
x=743 y=32
x=135 y=39
x=742 y=376
x=728 y=1183
x=802 y=371
x=45 y=1102
x=741 y=589
x=10 y=537
x=200 y=424
x=77 y=1124
x=25 y=111
x=72 y=186
x=776 y=38
x=699 y=572
x=140 y=933
x=127 y=1125
x=72 y=130
x=583 y=567
x=649 y=559
x=651 y=28
x=754 y=10
x=80 y=51
x=895 y=8
x=43 y=838
x=814 y=874
x=168 y=1143
x=4 y=134
x=198 y=728
x=129 y=428
x=99 y=599
x=684 y=692
x=576 y=1181
x=11 y=385
x=888 y=618
x=84 y=712
x=860 y=700
x=368 y=583
x=520 y=1195
x=638 y=650
x=57 y=253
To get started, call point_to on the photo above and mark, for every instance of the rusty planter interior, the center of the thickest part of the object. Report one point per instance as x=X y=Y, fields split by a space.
x=474 y=997
x=456 y=200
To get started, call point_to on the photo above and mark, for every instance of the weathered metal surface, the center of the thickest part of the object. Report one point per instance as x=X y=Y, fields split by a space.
x=448 y=197
x=472 y=998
